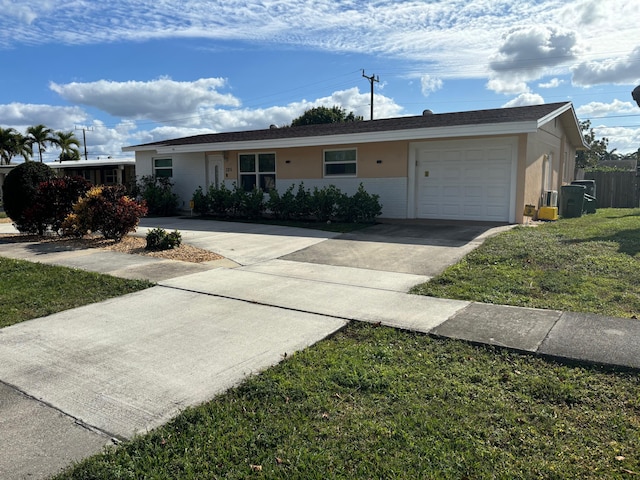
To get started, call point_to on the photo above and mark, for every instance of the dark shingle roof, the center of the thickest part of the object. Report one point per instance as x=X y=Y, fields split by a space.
x=478 y=117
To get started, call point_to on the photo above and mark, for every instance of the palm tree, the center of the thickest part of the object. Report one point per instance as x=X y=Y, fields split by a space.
x=40 y=134
x=67 y=142
x=13 y=143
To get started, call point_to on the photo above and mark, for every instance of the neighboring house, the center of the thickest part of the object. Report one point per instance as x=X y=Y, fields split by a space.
x=108 y=171
x=99 y=172
x=479 y=165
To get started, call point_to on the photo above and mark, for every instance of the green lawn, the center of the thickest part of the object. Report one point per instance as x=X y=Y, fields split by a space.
x=30 y=290
x=586 y=264
x=374 y=402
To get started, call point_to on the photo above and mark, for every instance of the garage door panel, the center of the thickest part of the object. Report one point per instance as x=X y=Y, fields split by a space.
x=467 y=183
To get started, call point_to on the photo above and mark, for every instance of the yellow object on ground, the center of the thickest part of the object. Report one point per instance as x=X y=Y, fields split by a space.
x=548 y=213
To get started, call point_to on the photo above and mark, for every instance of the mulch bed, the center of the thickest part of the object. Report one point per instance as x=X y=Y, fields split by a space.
x=129 y=244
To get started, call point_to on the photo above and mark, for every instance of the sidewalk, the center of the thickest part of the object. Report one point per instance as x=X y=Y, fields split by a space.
x=126 y=365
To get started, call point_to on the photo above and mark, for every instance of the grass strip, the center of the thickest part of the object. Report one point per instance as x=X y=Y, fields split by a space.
x=375 y=402
x=587 y=264
x=30 y=290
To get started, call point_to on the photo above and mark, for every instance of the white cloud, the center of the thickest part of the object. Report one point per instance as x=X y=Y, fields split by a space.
x=600 y=109
x=103 y=140
x=160 y=100
x=527 y=54
x=524 y=100
x=21 y=12
x=22 y=115
x=612 y=70
x=455 y=38
x=553 y=83
x=508 y=86
x=430 y=84
x=622 y=139
x=533 y=49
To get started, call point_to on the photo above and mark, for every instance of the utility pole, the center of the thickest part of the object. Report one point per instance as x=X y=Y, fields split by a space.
x=84 y=138
x=372 y=79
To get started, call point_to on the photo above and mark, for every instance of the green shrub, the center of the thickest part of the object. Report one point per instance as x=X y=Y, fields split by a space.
x=253 y=205
x=19 y=190
x=220 y=200
x=302 y=202
x=159 y=239
x=200 y=202
x=104 y=209
x=362 y=207
x=157 y=192
x=323 y=204
x=282 y=207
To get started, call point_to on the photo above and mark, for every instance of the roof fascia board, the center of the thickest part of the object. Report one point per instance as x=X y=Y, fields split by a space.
x=556 y=113
x=142 y=148
x=368 y=137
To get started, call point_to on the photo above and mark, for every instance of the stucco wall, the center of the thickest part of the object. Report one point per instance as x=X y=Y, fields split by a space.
x=392 y=191
x=549 y=142
x=374 y=160
x=188 y=172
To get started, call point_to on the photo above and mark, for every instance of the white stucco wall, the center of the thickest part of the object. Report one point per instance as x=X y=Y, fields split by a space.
x=188 y=173
x=392 y=191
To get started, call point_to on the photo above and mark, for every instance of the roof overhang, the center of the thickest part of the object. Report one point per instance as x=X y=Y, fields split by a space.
x=482 y=130
x=571 y=125
x=112 y=162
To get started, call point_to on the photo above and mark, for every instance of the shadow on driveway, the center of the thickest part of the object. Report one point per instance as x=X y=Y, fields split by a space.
x=420 y=249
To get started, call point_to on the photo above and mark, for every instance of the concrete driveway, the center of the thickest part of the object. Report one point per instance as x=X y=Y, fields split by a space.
x=403 y=247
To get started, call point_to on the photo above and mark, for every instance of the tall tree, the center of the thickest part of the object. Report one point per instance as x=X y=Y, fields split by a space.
x=41 y=135
x=13 y=143
x=320 y=115
x=597 y=148
x=69 y=144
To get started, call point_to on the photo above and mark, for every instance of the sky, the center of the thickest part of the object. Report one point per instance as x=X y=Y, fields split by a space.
x=125 y=72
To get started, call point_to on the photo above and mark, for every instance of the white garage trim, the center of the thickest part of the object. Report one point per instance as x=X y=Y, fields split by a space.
x=471 y=179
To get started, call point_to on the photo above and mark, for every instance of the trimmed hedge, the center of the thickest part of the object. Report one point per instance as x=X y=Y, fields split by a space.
x=320 y=204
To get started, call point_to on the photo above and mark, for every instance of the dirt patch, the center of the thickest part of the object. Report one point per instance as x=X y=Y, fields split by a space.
x=129 y=244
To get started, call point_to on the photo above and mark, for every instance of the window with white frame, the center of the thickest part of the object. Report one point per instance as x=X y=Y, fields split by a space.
x=340 y=163
x=257 y=170
x=163 y=167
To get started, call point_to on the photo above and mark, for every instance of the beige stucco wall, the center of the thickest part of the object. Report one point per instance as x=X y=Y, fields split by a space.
x=550 y=141
x=374 y=160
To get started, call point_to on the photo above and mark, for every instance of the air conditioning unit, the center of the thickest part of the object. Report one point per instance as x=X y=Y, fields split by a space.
x=550 y=198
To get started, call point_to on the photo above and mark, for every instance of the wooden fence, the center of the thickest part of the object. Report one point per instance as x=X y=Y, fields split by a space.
x=616 y=189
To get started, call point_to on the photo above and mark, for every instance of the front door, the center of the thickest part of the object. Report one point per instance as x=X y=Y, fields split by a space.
x=215 y=170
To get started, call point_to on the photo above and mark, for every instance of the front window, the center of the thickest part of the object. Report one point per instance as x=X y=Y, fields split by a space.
x=340 y=163
x=110 y=176
x=258 y=170
x=163 y=167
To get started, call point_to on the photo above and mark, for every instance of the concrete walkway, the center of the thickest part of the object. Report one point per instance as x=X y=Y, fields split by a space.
x=73 y=381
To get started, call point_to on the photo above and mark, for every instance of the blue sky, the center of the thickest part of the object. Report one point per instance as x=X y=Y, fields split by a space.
x=135 y=71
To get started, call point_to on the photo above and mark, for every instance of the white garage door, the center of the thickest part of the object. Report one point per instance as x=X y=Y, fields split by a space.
x=465 y=180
